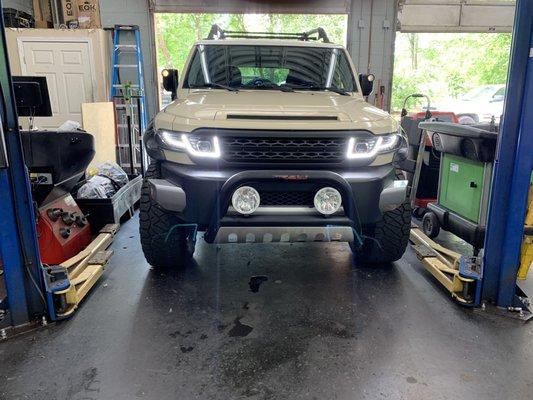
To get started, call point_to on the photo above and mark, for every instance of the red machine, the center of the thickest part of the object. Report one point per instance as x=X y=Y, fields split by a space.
x=62 y=229
x=56 y=162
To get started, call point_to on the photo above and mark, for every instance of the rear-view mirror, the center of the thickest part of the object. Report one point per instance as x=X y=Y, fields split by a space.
x=170 y=81
x=367 y=83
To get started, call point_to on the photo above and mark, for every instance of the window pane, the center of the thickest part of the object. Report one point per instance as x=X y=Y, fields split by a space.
x=256 y=67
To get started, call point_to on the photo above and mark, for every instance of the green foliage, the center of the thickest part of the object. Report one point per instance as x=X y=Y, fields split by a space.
x=446 y=65
x=176 y=33
x=440 y=65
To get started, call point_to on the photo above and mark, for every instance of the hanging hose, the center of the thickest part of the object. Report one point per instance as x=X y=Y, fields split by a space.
x=174 y=227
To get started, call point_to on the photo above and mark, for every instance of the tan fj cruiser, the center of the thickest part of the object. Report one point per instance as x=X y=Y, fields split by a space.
x=269 y=139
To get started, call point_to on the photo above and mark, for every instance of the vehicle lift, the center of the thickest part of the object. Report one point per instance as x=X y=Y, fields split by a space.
x=488 y=280
x=496 y=276
x=36 y=293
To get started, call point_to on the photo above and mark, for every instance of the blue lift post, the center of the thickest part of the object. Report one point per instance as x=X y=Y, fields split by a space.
x=18 y=238
x=512 y=172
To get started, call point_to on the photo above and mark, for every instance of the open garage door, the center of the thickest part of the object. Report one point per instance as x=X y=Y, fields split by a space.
x=253 y=6
x=455 y=15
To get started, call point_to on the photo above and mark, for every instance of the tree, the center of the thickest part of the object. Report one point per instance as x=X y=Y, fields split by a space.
x=413 y=47
x=448 y=64
x=176 y=33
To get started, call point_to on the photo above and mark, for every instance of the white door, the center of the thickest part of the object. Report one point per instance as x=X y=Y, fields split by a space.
x=67 y=67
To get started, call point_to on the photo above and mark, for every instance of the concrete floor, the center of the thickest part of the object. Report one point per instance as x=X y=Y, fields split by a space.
x=317 y=328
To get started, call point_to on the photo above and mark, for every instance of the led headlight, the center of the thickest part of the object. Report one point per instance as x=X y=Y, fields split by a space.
x=328 y=200
x=364 y=147
x=245 y=200
x=198 y=146
x=389 y=143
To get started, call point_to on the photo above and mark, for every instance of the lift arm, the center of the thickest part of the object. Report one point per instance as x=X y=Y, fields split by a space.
x=512 y=169
x=18 y=238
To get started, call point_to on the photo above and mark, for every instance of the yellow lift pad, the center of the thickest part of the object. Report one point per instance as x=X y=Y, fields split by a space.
x=84 y=270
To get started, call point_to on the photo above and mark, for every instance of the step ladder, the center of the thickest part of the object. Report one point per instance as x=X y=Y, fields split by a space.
x=128 y=95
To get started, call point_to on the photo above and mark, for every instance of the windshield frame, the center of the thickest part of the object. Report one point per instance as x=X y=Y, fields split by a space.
x=336 y=50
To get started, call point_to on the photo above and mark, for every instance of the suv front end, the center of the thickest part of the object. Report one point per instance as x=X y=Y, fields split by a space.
x=260 y=154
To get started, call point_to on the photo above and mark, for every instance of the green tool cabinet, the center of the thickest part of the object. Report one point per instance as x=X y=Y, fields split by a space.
x=467 y=157
x=461 y=185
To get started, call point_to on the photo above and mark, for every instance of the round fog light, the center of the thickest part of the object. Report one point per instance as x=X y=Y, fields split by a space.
x=245 y=200
x=328 y=200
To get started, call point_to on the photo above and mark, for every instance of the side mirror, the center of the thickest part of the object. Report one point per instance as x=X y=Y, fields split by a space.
x=497 y=98
x=170 y=81
x=367 y=83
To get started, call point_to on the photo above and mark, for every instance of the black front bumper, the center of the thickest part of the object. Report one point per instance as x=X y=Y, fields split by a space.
x=208 y=194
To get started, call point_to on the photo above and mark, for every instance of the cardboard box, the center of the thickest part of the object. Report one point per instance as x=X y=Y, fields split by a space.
x=69 y=12
x=89 y=14
x=40 y=24
x=42 y=13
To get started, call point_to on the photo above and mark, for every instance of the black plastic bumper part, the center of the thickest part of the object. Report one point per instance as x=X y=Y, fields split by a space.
x=209 y=191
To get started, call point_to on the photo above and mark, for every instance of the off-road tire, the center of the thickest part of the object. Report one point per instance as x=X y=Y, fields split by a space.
x=164 y=244
x=387 y=239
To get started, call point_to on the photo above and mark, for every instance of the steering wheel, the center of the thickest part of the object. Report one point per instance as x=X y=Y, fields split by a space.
x=258 y=81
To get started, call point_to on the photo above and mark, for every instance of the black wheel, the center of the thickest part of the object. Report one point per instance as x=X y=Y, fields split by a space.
x=431 y=225
x=418 y=212
x=387 y=239
x=466 y=119
x=164 y=242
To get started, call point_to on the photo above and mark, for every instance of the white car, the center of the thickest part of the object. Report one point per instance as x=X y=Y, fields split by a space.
x=478 y=105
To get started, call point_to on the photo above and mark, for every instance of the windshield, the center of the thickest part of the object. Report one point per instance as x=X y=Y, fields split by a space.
x=270 y=67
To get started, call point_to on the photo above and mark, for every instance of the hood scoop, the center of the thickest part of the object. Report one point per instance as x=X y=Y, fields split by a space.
x=283 y=117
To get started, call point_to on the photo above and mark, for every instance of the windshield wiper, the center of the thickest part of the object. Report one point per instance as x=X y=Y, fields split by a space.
x=215 y=85
x=285 y=88
x=314 y=86
x=269 y=85
x=335 y=90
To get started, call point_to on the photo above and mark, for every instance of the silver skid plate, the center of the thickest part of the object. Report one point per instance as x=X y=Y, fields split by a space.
x=281 y=234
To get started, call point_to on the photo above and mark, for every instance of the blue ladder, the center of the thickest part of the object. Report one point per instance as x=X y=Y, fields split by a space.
x=128 y=95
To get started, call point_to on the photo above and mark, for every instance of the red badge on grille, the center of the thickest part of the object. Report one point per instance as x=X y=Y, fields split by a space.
x=292 y=177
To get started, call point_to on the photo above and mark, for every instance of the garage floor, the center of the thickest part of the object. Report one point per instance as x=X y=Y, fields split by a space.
x=317 y=328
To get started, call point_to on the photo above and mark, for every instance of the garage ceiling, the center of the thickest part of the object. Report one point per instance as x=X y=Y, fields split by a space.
x=456 y=15
x=253 y=6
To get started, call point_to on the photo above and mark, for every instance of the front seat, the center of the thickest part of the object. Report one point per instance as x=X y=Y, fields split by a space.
x=230 y=76
x=294 y=78
x=235 y=77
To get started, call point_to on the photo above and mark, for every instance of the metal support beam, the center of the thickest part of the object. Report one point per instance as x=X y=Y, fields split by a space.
x=253 y=6
x=370 y=42
x=513 y=166
x=18 y=238
x=455 y=15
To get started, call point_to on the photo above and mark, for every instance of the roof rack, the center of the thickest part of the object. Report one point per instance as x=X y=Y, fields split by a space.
x=217 y=32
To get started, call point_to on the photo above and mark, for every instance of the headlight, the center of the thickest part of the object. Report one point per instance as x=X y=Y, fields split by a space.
x=362 y=148
x=389 y=143
x=198 y=146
